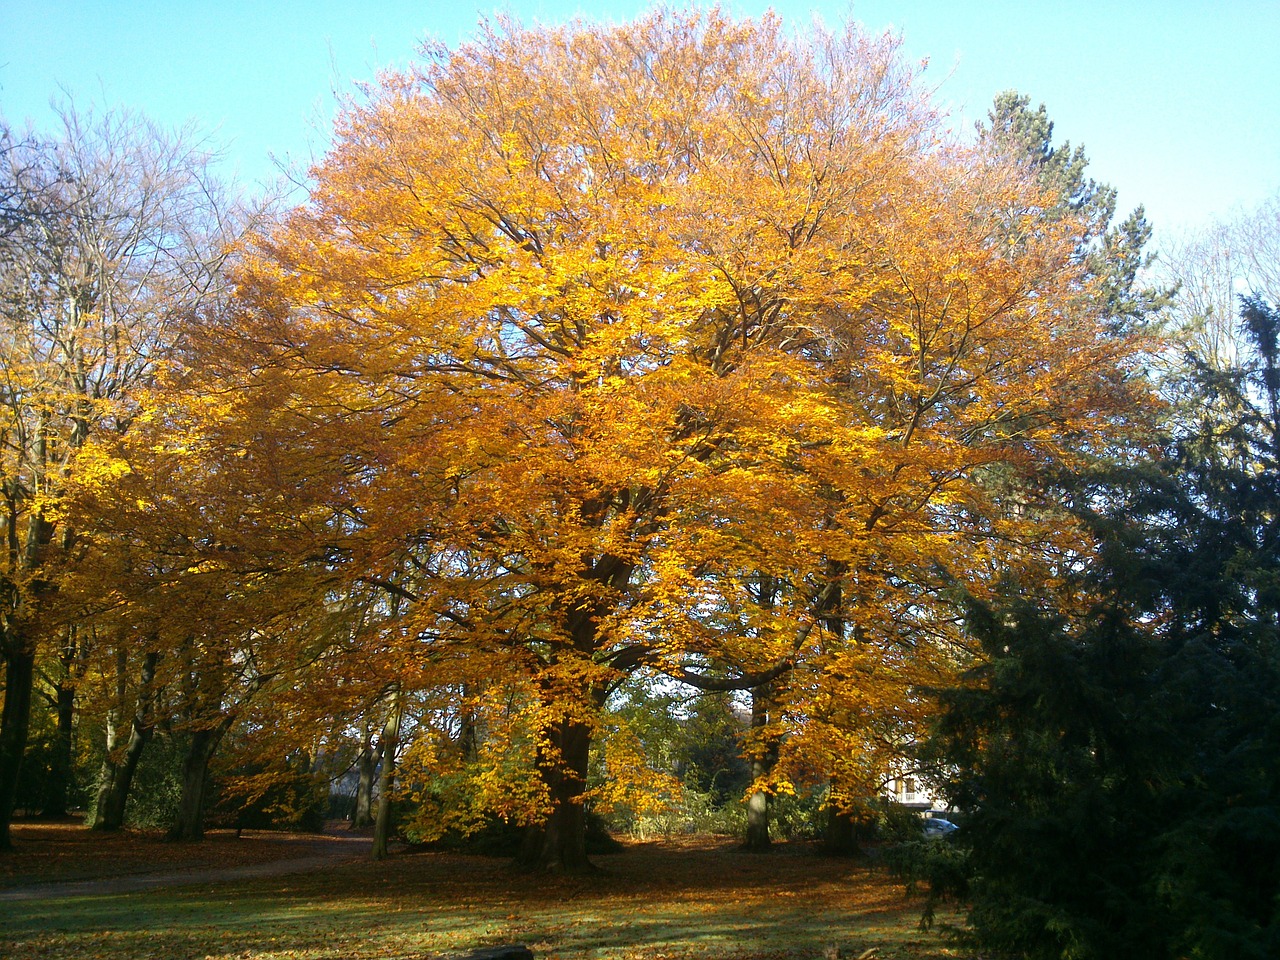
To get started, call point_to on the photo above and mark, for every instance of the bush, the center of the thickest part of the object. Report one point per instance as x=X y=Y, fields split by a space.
x=694 y=812
x=799 y=816
x=502 y=838
x=157 y=785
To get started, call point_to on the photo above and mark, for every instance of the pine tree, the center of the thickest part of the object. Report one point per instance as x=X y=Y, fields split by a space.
x=1117 y=760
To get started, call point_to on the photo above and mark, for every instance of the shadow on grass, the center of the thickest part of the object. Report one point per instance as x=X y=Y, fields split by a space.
x=653 y=901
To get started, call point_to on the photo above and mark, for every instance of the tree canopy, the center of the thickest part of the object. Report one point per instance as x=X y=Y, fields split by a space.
x=555 y=378
x=111 y=232
x=599 y=362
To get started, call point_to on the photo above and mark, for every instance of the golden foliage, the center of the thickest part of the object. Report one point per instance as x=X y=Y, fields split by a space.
x=587 y=332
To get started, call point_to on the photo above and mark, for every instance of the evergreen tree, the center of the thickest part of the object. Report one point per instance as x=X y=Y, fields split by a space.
x=1117 y=762
x=1114 y=252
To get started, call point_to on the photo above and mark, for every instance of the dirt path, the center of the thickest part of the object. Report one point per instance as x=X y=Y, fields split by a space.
x=297 y=854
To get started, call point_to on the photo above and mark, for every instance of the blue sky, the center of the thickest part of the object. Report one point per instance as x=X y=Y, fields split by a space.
x=1177 y=102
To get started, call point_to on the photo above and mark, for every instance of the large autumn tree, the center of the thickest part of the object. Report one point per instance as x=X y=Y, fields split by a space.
x=606 y=327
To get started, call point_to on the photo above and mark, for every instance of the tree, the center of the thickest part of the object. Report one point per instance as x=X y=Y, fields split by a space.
x=1125 y=728
x=189 y=556
x=594 y=357
x=1113 y=253
x=112 y=229
x=125 y=741
x=1212 y=267
x=861 y=735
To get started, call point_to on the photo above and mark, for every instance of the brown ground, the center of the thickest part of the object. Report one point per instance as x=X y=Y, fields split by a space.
x=63 y=858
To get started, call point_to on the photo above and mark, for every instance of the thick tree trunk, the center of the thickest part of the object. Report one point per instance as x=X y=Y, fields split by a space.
x=117 y=774
x=559 y=845
x=839 y=839
x=118 y=798
x=102 y=801
x=19 y=680
x=757 y=818
x=188 y=824
x=839 y=833
x=388 y=744
x=110 y=759
x=764 y=754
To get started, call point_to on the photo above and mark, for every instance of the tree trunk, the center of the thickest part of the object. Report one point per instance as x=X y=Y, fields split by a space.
x=118 y=798
x=757 y=817
x=764 y=753
x=188 y=824
x=57 y=794
x=110 y=762
x=19 y=679
x=839 y=839
x=102 y=801
x=468 y=735
x=117 y=775
x=370 y=757
x=388 y=744
x=559 y=845
x=58 y=790
x=19 y=648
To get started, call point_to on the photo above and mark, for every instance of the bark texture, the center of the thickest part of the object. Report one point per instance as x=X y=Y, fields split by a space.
x=19 y=679
x=764 y=755
x=388 y=745
x=559 y=844
x=188 y=823
x=118 y=771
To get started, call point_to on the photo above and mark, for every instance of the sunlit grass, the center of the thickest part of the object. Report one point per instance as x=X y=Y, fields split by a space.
x=650 y=903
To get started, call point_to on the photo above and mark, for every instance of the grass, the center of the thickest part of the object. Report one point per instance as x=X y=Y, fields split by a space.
x=686 y=900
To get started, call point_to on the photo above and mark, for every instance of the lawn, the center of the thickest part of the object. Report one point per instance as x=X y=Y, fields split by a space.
x=653 y=901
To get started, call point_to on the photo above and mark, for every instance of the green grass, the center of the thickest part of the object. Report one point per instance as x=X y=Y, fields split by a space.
x=649 y=903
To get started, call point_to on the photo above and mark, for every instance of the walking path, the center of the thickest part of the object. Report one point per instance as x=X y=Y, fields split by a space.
x=304 y=855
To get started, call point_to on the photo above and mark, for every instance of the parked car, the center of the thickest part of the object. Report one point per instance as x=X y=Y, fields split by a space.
x=937 y=827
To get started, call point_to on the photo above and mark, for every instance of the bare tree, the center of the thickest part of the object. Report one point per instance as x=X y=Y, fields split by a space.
x=1216 y=265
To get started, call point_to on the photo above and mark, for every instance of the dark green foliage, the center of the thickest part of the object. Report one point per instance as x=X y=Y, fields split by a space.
x=881 y=819
x=697 y=739
x=37 y=763
x=1119 y=766
x=708 y=755
x=1114 y=253
x=1026 y=136
x=938 y=865
x=157 y=786
x=296 y=799
x=1057 y=759
x=798 y=816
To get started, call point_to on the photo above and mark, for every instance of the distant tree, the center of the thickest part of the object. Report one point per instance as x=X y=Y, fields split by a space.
x=709 y=754
x=1116 y=254
x=1212 y=267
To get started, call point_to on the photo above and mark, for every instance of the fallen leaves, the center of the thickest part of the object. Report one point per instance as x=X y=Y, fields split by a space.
x=693 y=899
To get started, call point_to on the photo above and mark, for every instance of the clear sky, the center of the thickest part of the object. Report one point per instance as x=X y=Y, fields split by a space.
x=1176 y=101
